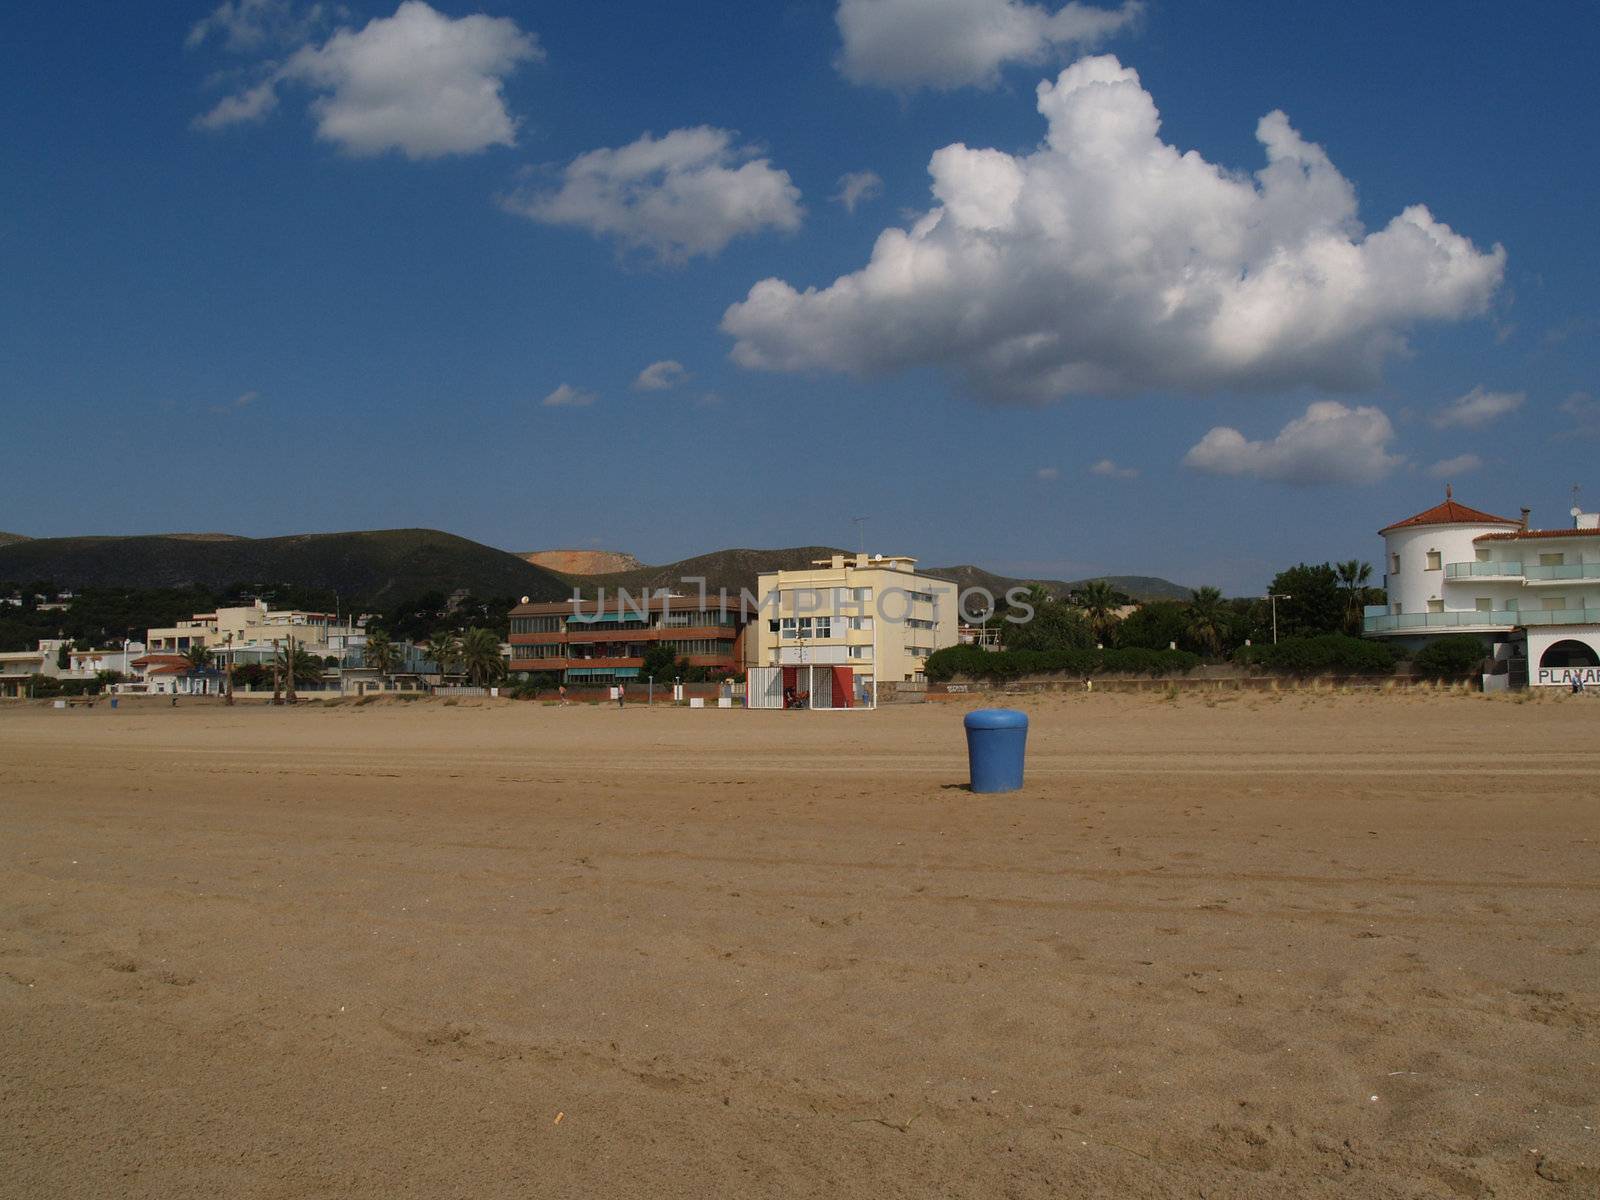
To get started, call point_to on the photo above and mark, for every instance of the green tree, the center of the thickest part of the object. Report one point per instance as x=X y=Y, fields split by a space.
x=660 y=662
x=198 y=657
x=1055 y=626
x=307 y=667
x=1354 y=575
x=1316 y=603
x=480 y=655
x=1099 y=602
x=1207 y=620
x=444 y=647
x=380 y=653
x=1154 y=626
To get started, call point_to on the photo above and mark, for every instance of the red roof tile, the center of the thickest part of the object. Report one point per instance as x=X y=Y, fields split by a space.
x=1519 y=534
x=1450 y=513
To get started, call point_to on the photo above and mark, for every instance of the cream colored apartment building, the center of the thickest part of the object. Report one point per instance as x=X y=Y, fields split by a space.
x=872 y=613
x=254 y=627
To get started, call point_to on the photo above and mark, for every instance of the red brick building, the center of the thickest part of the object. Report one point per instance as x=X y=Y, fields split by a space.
x=586 y=644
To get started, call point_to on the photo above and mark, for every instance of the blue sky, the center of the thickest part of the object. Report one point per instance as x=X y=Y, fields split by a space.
x=342 y=298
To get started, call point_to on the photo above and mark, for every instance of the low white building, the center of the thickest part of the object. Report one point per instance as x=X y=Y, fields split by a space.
x=1532 y=595
x=18 y=667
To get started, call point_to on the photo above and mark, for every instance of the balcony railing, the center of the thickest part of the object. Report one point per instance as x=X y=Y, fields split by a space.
x=1482 y=570
x=1538 y=574
x=1477 y=619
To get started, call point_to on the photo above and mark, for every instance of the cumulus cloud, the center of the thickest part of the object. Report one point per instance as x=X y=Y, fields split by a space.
x=943 y=44
x=1477 y=409
x=856 y=187
x=659 y=376
x=1449 y=468
x=418 y=82
x=1109 y=469
x=690 y=192
x=1107 y=261
x=1331 y=443
x=567 y=396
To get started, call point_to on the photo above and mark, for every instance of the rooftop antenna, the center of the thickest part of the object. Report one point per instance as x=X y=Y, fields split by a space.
x=861 y=532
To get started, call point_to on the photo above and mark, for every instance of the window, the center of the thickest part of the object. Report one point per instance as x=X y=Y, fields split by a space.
x=1435 y=606
x=1481 y=554
x=913 y=623
x=860 y=651
x=788 y=627
x=1511 y=604
x=1483 y=604
x=1394 y=564
x=1554 y=603
x=1394 y=610
x=862 y=623
x=1552 y=560
x=1433 y=563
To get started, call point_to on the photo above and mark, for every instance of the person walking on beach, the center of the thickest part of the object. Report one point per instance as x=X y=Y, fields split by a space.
x=622 y=693
x=562 y=689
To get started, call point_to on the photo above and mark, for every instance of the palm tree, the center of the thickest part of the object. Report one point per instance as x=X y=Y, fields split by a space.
x=380 y=653
x=1354 y=575
x=306 y=667
x=198 y=657
x=1207 y=618
x=480 y=655
x=1099 y=601
x=444 y=645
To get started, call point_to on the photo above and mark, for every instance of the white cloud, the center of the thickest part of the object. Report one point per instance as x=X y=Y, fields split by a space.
x=247 y=26
x=856 y=187
x=1477 y=409
x=690 y=192
x=907 y=44
x=242 y=401
x=252 y=104
x=1110 y=470
x=1584 y=410
x=1107 y=261
x=1331 y=443
x=659 y=376
x=418 y=82
x=1046 y=474
x=567 y=396
x=1461 y=464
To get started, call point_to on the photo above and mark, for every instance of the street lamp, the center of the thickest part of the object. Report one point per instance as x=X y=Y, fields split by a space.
x=1273 y=599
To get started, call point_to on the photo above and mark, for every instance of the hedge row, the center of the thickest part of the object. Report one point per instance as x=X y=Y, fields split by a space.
x=973 y=663
x=1334 y=653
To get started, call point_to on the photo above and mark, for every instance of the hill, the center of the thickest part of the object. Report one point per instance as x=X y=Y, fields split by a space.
x=730 y=569
x=1139 y=587
x=7 y=539
x=583 y=562
x=380 y=568
x=736 y=569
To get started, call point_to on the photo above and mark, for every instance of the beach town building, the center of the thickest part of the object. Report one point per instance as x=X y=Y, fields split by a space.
x=604 y=641
x=873 y=619
x=18 y=667
x=253 y=632
x=1532 y=595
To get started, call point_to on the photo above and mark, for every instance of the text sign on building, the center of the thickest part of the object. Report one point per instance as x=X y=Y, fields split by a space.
x=1564 y=676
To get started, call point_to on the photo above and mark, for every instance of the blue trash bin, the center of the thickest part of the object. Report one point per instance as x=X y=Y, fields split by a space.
x=997 y=739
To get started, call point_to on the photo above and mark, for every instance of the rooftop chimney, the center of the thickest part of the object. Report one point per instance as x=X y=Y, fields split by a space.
x=1526 y=513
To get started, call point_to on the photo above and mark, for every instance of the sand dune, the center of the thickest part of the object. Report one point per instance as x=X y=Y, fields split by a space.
x=1252 y=946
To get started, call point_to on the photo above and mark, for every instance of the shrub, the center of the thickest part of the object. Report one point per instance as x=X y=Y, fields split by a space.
x=973 y=663
x=1335 y=653
x=1453 y=656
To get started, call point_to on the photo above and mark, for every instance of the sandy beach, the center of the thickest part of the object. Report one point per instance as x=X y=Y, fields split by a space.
x=1263 y=946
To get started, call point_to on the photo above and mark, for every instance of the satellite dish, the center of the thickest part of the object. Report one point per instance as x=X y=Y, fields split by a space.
x=1575 y=511
x=524 y=599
